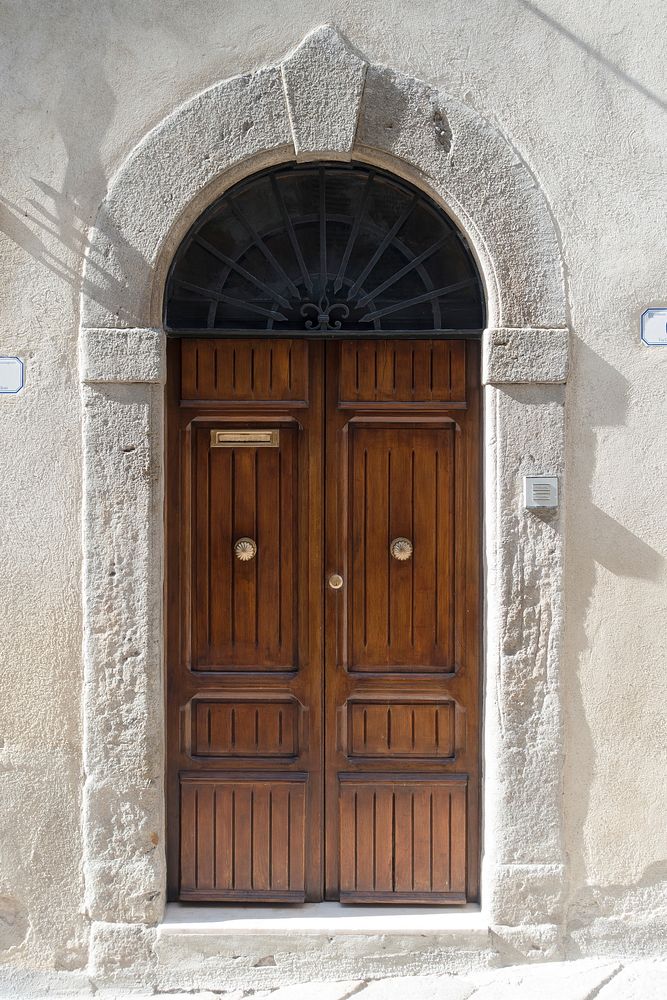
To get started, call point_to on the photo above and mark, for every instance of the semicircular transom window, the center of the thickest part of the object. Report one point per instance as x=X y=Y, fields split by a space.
x=324 y=249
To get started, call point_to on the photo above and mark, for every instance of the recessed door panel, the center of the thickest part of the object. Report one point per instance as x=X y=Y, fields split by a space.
x=404 y=838
x=244 y=601
x=401 y=609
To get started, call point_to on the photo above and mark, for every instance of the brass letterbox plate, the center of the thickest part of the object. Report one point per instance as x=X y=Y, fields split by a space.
x=245 y=439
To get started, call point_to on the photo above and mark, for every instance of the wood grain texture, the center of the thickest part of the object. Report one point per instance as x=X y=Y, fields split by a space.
x=402 y=637
x=244 y=639
x=243 y=371
x=262 y=653
x=401 y=614
x=425 y=372
x=243 y=837
x=394 y=729
x=236 y=728
x=402 y=838
x=244 y=613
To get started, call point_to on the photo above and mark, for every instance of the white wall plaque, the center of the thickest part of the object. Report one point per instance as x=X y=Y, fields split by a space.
x=653 y=325
x=11 y=375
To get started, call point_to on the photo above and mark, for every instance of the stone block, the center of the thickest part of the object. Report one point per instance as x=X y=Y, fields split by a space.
x=549 y=981
x=312 y=991
x=125 y=355
x=527 y=894
x=324 y=81
x=163 y=176
x=121 y=953
x=128 y=891
x=638 y=981
x=423 y=987
x=525 y=355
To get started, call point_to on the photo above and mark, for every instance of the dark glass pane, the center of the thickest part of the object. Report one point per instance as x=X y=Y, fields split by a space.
x=323 y=247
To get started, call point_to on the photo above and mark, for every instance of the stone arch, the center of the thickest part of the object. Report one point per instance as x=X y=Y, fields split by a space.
x=323 y=101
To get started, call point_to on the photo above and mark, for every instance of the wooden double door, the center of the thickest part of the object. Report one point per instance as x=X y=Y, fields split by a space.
x=323 y=566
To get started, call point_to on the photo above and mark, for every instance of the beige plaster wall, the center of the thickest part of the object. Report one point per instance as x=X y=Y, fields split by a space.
x=577 y=89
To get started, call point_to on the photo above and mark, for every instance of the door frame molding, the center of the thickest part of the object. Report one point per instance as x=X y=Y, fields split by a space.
x=323 y=101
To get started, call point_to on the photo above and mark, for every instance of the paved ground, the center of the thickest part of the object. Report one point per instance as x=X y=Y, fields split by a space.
x=589 y=979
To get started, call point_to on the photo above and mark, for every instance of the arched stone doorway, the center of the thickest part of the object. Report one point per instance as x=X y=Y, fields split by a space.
x=322 y=102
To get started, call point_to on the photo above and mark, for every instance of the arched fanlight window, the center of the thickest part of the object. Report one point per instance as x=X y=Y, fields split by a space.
x=324 y=249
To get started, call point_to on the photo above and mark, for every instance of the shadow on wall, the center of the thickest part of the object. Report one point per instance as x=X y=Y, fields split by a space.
x=615 y=548
x=52 y=225
x=594 y=54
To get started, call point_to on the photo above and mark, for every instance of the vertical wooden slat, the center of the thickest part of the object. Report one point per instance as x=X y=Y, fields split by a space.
x=458 y=839
x=223 y=845
x=296 y=843
x=441 y=840
x=348 y=839
x=188 y=846
x=382 y=835
x=422 y=839
x=261 y=848
x=403 y=840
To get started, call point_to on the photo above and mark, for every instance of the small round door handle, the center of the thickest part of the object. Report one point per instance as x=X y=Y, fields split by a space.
x=401 y=548
x=335 y=581
x=245 y=549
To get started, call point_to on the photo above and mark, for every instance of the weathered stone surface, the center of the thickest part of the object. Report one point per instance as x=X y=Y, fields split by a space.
x=525 y=431
x=532 y=355
x=312 y=990
x=506 y=218
x=528 y=942
x=528 y=893
x=263 y=960
x=123 y=794
x=551 y=981
x=121 y=954
x=14 y=924
x=421 y=987
x=109 y=355
x=640 y=981
x=324 y=81
x=165 y=173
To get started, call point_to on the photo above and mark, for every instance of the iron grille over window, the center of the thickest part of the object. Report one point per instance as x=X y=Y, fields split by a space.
x=324 y=249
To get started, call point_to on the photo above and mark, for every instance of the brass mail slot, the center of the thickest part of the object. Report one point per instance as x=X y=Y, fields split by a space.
x=245 y=439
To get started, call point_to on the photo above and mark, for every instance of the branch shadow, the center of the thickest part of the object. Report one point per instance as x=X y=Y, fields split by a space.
x=53 y=225
x=594 y=54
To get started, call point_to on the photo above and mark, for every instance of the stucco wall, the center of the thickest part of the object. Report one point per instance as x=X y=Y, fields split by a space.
x=579 y=97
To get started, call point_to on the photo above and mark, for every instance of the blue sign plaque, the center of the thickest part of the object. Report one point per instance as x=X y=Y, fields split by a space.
x=11 y=376
x=653 y=324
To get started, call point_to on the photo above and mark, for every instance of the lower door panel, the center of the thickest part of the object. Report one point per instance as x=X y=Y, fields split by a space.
x=243 y=837
x=402 y=838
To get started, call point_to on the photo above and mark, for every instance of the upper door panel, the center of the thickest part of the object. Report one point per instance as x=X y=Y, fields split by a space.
x=402 y=534
x=244 y=609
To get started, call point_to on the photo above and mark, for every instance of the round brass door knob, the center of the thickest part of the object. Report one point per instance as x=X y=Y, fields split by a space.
x=245 y=549
x=335 y=581
x=401 y=548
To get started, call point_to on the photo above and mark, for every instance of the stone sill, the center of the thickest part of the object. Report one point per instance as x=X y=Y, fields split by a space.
x=182 y=920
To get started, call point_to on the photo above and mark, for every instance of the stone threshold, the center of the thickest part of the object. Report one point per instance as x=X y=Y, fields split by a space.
x=181 y=919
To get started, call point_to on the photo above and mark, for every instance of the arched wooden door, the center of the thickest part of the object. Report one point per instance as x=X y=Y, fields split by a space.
x=323 y=545
x=323 y=674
